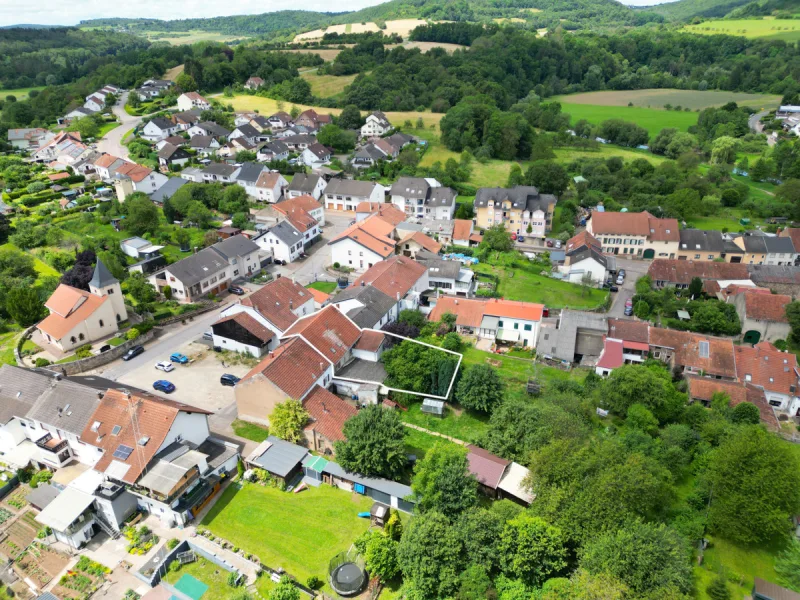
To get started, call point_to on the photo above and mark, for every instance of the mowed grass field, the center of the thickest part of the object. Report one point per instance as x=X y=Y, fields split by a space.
x=19 y=93
x=658 y=98
x=299 y=532
x=325 y=86
x=652 y=119
x=779 y=29
x=189 y=37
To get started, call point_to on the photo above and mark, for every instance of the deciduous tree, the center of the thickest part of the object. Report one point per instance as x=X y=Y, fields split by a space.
x=287 y=420
x=442 y=481
x=531 y=549
x=480 y=388
x=374 y=443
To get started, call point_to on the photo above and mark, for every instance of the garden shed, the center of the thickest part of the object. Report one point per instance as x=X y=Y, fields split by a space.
x=433 y=407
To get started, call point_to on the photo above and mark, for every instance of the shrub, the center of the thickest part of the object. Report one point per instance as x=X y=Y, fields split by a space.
x=234 y=580
x=42 y=476
x=172 y=542
x=132 y=334
x=313 y=582
x=42 y=362
x=84 y=351
x=336 y=265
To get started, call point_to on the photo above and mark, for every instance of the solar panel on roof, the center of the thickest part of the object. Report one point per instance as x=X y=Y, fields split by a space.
x=123 y=452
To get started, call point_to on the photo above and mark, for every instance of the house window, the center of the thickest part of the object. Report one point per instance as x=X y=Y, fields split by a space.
x=528 y=327
x=80 y=336
x=110 y=291
x=499 y=324
x=101 y=323
x=516 y=325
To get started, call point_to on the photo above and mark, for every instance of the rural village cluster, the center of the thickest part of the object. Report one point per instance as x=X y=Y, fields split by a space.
x=115 y=446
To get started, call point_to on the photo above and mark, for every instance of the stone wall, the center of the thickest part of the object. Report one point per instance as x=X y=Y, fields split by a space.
x=93 y=362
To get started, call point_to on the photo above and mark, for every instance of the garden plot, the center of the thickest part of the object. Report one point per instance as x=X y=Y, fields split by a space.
x=40 y=564
x=18 y=535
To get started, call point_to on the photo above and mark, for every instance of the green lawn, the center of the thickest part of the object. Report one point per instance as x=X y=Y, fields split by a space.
x=524 y=284
x=659 y=97
x=459 y=423
x=216 y=578
x=652 y=119
x=108 y=126
x=775 y=29
x=19 y=93
x=326 y=287
x=418 y=443
x=299 y=532
x=7 y=341
x=250 y=431
x=42 y=268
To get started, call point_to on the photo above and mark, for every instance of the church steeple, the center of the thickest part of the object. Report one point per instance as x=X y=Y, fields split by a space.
x=102 y=277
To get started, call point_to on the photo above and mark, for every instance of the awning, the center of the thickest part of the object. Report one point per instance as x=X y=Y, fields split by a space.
x=65 y=509
x=489 y=322
x=508 y=335
x=641 y=346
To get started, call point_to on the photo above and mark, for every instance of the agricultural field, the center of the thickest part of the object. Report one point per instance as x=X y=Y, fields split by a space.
x=326 y=86
x=178 y=38
x=172 y=74
x=787 y=30
x=326 y=55
x=425 y=46
x=401 y=27
x=658 y=98
x=652 y=119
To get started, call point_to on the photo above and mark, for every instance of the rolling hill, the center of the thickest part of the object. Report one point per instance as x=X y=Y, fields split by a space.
x=684 y=10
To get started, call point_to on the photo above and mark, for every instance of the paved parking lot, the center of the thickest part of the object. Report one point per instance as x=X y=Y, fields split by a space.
x=633 y=270
x=196 y=383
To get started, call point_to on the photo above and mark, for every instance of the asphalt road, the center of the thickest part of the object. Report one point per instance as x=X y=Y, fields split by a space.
x=112 y=141
x=754 y=121
x=633 y=270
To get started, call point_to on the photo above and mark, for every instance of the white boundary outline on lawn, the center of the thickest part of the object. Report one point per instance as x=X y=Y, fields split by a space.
x=452 y=380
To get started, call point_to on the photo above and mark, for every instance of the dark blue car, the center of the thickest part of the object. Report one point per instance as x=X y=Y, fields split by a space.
x=162 y=385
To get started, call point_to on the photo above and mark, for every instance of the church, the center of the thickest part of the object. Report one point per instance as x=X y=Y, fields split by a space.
x=78 y=317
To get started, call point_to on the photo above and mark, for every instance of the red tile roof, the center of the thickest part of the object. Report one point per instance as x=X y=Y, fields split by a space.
x=276 y=301
x=629 y=223
x=584 y=238
x=138 y=415
x=469 y=313
x=294 y=367
x=68 y=307
x=136 y=172
x=767 y=367
x=766 y=307
x=304 y=202
x=385 y=210
x=396 y=275
x=320 y=297
x=106 y=161
x=329 y=413
x=329 y=331
x=300 y=219
x=58 y=176
x=686 y=346
x=683 y=271
x=487 y=468
x=512 y=309
x=703 y=388
x=373 y=233
x=461 y=229
x=370 y=341
x=427 y=242
x=611 y=356
x=663 y=230
x=250 y=324
x=629 y=330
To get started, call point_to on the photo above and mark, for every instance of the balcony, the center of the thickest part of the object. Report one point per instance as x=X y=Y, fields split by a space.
x=54 y=451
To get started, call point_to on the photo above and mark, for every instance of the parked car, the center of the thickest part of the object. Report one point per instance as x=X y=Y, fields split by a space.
x=133 y=352
x=549 y=243
x=229 y=380
x=235 y=289
x=621 y=272
x=162 y=385
x=620 y=280
x=165 y=366
x=279 y=262
x=629 y=303
x=521 y=239
x=178 y=358
x=628 y=311
x=208 y=335
x=558 y=243
x=613 y=288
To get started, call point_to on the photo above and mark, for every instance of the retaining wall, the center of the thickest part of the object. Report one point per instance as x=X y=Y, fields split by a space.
x=93 y=362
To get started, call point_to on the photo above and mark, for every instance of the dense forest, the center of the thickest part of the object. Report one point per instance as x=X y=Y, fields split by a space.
x=34 y=57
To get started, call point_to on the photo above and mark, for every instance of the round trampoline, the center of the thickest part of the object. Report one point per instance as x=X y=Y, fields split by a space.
x=347 y=574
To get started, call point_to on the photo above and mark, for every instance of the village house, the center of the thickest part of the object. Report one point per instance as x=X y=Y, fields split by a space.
x=774 y=371
x=186 y=119
x=95 y=103
x=263 y=317
x=253 y=83
x=106 y=166
x=694 y=354
x=415 y=242
x=220 y=173
x=175 y=140
x=190 y=100
x=303 y=202
x=376 y=125
x=679 y=274
x=343 y=194
x=698 y=244
x=447 y=276
x=423 y=198
x=169 y=155
x=315 y=155
x=386 y=211
x=269 y=187
x=312 y=119
x=131 y=177
x=299 y=142
x=497 y=477
x=208 y=128
x=763 y=315
x=78 y=317
x=247 y=133
x=64 y=144
x=781 y=280
x=366 y=306
x=635 y=235
x=761 y=249
x=507 y=321
x=248 y=175
x=521 y=210
x=587 y=262
x=627 y=342
x=464 y=233
x=327 y=415
x=369 y=154
x=209 y=271
x=304 y=184
x=29 y=139
x=703 y=389
x=204 y=145
x=283 y=241
x=272 y=151
x=280 y=120
x=363 y=244
x=158 y=128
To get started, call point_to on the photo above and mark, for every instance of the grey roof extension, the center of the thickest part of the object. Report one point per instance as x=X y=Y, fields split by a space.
x=236 y=245
x=376 y=304
x=197 y=267
x=281 y=457
x=168 y=189
x=286 y=233
x=220 y=169
x=19 y=390
x=350 y=187
x=250 y=171
x=67 y=405
x=699 y=239
x=303 y=183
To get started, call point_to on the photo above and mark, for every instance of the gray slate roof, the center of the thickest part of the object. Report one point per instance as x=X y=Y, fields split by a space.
x=248 y=131
x=437 y=267
x=276 y=147
x=441 y=196
x=102 y=277
x=369 y=151
x=43 y=495
x=236 y=245
x=564 y=339
x=410 y=187
x=19 y=390
x=197 y=267
x=303 y=183
x=213 y=129
x=162 y=123
x=220 y=169
x=167 y=190
x=525 y=197
x=281 y=457
x=350 y=187
x=376 y=304
x=66 y=405
x=250 y=171
x=588 y=252
x=286 y=233
x=768 y=244
x=200 y=141
x=699 y=239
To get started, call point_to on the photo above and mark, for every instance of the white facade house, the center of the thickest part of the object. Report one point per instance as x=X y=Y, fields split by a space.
x=303 y=184
x=248 y=176
x=423 y=198
x=315 y=155
x=376 y=125
x=586 y=262
x=352 y=254
x=283 y=241
x=342 y=194
x=191 y=100
x=157 y=129
x=269 y=187
x=95 y=103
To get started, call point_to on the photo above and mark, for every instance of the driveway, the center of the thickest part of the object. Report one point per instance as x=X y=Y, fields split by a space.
x=633 y=270
x=112 y=141
x=755 y=121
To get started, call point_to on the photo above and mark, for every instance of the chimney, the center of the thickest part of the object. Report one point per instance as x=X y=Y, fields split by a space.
x=278 y=276
x=325 y=408
x=291 y=304
x=272 y=354
x=293 y=279
x=456 y=301
x=398 y=296
x=99 y=395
